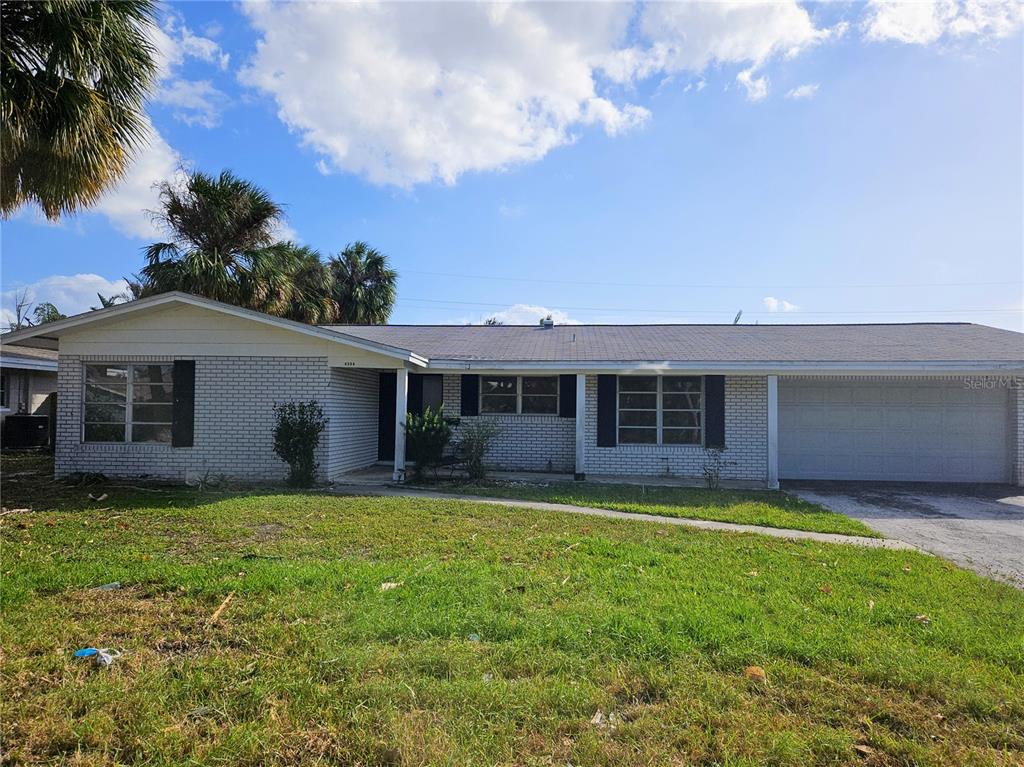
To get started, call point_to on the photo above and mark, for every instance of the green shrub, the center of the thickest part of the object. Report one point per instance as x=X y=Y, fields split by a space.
x=296 y=438
x=426 y=438
x=475 y=438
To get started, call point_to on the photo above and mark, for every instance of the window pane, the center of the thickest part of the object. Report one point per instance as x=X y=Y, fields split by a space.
x=105 y=413
x=152 y=413
x=498 y=384
x=152 y=373
x=151 y=433
x=681 y=418
x=497 y=403
x=104 y=432
x=638 y=418
x=105 y=393
x=540 y=385
x=107 y=373
x=680 y=384
x=680 y=401
x=638 y=436
x=680 y=436
x=538 y=404
x=638 y=383
x=152 y=393
x=638 y=401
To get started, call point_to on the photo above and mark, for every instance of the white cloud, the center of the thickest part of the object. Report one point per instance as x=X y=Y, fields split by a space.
x=773 y=304
x=756 y=87
x=803 y=92
x=409 y=93
x=927 y=21
x=128 y=205
x=196 y=102
x=531 y=314
x=71 y=294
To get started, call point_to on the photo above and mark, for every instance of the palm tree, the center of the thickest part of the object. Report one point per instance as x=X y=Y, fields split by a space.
x=290 y=281
x=363 y=285
x=221 y=227
x=73 y=78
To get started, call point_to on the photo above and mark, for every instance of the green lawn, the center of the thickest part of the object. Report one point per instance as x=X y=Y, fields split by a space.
x=509 y=631
x=750 y=507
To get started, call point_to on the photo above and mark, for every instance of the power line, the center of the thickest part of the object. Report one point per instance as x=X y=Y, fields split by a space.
x=683 y=310
x=503 y=278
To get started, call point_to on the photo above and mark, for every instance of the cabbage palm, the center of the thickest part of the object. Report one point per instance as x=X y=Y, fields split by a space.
x=363 y=285
x=220 y=227
x=73 y=79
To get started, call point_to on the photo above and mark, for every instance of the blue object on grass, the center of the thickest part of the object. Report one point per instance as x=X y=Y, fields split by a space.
x=86 y=652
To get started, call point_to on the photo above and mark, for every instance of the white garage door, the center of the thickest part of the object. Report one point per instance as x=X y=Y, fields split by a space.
x=898 y=429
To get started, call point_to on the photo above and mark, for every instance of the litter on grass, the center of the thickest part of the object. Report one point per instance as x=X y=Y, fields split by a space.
x=113 y=586
x=102 y=657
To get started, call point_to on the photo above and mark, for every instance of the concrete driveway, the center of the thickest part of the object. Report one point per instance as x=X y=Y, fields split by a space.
x=980 y=527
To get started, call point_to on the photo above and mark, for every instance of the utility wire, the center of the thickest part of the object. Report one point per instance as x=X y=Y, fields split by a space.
x=683 y=310
x=501 y=278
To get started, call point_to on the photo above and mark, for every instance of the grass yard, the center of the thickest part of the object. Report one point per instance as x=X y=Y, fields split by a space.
x=749 y=507
x=511 y=637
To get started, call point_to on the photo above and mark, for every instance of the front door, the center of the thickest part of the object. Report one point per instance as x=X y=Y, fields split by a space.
x=386 y=416
x=424 y=391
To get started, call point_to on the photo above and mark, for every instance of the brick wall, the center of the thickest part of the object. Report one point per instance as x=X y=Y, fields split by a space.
x=234 y=420
x=351 y=405
x=525 y=442
x=1017 y=431
x=746 y=439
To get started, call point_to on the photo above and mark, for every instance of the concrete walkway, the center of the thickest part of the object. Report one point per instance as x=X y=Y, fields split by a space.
x=702 y=524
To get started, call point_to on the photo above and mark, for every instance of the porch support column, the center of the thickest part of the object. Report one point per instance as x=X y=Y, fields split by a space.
x=773 y=432
x=401 y=407
x=581 y=426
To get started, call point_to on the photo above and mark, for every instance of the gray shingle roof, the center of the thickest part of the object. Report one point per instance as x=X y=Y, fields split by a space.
x=939 y=342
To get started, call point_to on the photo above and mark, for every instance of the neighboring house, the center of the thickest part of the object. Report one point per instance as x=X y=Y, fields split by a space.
x=176 y=386
x=27 y=377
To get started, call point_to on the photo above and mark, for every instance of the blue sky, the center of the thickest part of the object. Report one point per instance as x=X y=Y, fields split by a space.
x=609 y=163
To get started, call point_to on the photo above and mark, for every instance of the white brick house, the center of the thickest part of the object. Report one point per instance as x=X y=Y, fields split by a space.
x=178 y=387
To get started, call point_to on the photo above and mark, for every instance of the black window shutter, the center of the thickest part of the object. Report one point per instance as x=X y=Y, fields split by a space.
x=183 y=419
x=607 y=409
x=415 y=401
x=714 y=411
x=567 y=396
x=470 y=395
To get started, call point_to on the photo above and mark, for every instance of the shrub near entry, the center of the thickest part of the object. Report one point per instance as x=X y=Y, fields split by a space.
x=426 y=438
x=296 y=438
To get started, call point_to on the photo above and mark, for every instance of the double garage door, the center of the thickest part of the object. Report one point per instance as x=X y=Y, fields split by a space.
x=936 y=430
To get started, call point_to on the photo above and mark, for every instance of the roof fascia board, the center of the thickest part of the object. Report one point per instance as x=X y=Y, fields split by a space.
x=742 y=368
x=24 y=363
x=46 y=331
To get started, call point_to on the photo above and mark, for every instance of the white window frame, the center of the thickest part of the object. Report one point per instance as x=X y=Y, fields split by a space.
x=519 y=395
x=129 y=404
x=660 y=415
x=5 y=391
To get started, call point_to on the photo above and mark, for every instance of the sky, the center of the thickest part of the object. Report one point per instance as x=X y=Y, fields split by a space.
x=599 y=162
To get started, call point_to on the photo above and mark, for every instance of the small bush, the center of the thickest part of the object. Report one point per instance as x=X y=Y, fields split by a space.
x=714 y=462
x=296 y=438
x=475 y=438
x=426 y=438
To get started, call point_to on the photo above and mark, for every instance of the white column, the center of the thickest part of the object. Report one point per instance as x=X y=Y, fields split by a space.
x=401 y=406
x=773 y=432
x=581 y=426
